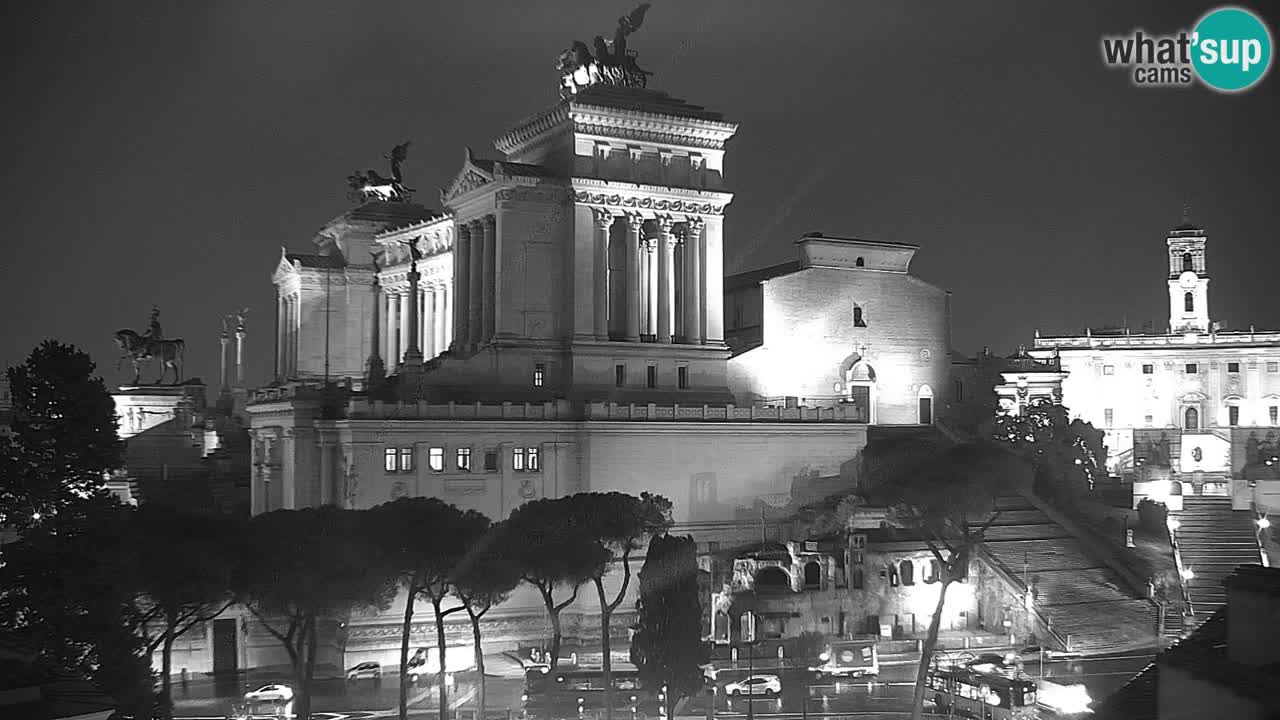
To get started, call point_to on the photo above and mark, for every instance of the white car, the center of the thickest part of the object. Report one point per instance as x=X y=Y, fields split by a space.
x=271 y=692
x=371 y=670
x=767 y=685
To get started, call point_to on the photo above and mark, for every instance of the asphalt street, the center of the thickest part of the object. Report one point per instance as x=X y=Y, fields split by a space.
x=801 y=694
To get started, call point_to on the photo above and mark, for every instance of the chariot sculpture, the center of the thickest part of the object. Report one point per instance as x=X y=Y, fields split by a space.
x=369 y=185
x=611 y=64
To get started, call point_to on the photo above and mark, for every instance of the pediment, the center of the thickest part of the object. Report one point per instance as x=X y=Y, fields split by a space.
x=1192 y=396
x=470 y=177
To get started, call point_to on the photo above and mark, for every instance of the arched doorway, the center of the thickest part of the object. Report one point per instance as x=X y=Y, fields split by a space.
x=860 y=388
x=812 y=574
x=1191 y=419
x=772 y=578
x=924 y=401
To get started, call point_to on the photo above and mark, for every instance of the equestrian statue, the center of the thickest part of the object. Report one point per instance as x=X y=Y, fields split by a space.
x=139 y=348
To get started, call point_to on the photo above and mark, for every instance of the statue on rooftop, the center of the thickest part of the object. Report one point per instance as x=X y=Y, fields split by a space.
x=612 y=64
x=139 y=348
x=369 y=185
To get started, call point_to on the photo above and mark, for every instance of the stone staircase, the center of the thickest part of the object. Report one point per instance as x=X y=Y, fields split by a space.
x=1084 y=600
x=1213 y=540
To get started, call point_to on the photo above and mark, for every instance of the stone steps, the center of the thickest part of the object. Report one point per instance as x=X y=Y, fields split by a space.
x=1213 y=540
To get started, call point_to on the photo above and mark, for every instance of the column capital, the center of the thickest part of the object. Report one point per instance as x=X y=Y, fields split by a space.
x=462 y=229
x=665 y=224
x=489 y=221
x=695 y=223
x=603 y=218
x=634 y=221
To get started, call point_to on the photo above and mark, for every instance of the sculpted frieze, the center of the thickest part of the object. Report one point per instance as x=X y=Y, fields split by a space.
x=622 y=132
x=647 y=203
x=468 y=181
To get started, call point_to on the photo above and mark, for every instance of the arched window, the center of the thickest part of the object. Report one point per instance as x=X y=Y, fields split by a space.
x=772 y=578
x=1175 y=487
x=1189 y=302
x=908 y=572
x=1192 y=418
x=812 y=574
x=858 y=320
x=859 y=262
x=1187 y=262
x=934 y=573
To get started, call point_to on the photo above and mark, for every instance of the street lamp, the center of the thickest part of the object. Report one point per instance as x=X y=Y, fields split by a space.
x=1187 y=574
x=1263 y=523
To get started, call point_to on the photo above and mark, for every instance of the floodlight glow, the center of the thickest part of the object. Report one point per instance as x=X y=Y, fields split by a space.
x=1187 y=574
x=1263 y=523
x=1174 y=524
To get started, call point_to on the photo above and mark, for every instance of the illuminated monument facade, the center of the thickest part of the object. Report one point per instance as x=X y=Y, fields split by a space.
x=558 y=327
x=1197 y=404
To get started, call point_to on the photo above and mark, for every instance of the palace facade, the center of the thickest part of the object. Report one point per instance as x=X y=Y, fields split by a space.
x=1196 y=404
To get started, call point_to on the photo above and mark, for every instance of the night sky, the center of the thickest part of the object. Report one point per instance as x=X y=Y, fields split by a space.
x=162 y=152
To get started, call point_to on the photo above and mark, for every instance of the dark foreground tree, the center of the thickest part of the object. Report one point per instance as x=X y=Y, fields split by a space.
x=618 y=523
x=950 y=502
x=483 y=579
x=183 y=578
x=551 y=550
x=424 y=540
x=1068 y=455
x=299 y=567
x=64 y=436
x=667 y=647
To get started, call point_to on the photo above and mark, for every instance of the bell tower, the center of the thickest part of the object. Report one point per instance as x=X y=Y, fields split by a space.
x=1188 y=278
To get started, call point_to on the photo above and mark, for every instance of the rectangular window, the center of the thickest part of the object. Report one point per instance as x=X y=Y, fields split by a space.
x=389 y=459
x=491 y=461
x=1108 y=369
x=539 y=374
x=517 y=459
x=1192 y=369
x=1108 y=416
x=858 y=541
x=1273 y=414
x=651 y=376
x=1148 y=369
x=682 y=377
x=1273 y=367
x=435 y=459
x=406 y=459
x=464 y=459
x=1233 y=415
x=619 y=375
x=959 y=391
x=1148 y=420
x=1233 y=367
x=532 y=460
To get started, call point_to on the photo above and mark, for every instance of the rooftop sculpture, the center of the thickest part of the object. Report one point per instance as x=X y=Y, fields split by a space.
x=612 y=63
x=369 y=185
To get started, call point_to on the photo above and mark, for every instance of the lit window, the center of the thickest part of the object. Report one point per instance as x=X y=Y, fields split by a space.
x=517 y=459
x=406 y=459
x=1148 y=369
x=531 y=459
x=1233 y=367
x=619 y=375
x=651 y=376
x=491 y=461
x=682 y=377
x=389 y=459
x=464 y=459
x=539 y=374
x=1192 y=369
x=435 y=459
x=1108 y=369
x=1273 y=413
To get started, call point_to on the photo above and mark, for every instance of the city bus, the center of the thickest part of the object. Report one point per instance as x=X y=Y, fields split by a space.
x=563 y=693
x=849 y=658
x=986 y=695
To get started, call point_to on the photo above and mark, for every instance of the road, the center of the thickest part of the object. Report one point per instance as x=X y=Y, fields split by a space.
x=888 y=695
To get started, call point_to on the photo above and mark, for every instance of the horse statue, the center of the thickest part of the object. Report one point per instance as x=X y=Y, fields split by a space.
x=369 y=185
x=139 y=349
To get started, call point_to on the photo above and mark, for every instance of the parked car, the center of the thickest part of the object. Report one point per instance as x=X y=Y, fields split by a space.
x=994 y=659
x=369 y=670
x=767 y=685
x=270 y=692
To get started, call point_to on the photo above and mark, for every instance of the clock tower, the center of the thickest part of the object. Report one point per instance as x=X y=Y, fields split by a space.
x=1188 y=279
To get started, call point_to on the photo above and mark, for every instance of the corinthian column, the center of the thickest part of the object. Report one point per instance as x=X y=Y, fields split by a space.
x=445 y=328
x=651 y=287
x=489 y=300
x=633 y=277
x=475 y=302
x=405 y=316
x=666 y=279
x=430 y=348
x=461 y=285
x=603 y=221
x=280 y=337
x=693 y=281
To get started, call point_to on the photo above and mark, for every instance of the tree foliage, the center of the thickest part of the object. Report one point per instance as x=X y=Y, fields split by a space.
x=667 y=647
x=552 y=550
x=483 y=579
x=424 y=541
x=950 y=500
x=1068 y=455
x=64 y=436
x=299 y=566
